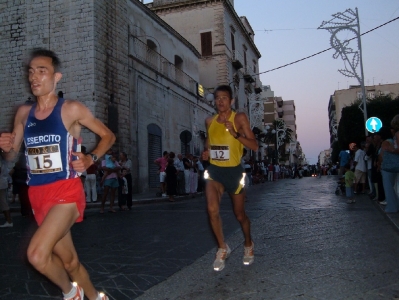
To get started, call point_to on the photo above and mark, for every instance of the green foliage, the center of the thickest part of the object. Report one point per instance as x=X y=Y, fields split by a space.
x=351 y=127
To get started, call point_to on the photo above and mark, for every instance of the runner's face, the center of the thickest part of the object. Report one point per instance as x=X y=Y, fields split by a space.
x=223 y=101
x=42 y=78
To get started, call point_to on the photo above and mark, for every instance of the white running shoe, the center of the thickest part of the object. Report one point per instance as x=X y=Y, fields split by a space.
x=221 y=256
x=6 y=224
x=248 y=255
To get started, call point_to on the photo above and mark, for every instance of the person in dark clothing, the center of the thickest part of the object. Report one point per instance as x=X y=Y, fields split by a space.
x=171 y=179
x=19 y=177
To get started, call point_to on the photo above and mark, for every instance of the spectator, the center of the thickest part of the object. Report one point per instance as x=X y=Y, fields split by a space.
x=162 y=162
x=3 y=193
x=126 y=163
x=360 y=168
x=344 y=158
x=388 y=179
x=349 y=180
x=91 y=183
x=111 y=181
x=171 y=179
x=123 y=190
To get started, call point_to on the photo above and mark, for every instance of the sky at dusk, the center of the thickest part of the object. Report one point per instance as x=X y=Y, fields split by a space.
x=286 y=31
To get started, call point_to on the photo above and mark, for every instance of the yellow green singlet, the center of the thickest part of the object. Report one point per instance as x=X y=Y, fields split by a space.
x=224 y=149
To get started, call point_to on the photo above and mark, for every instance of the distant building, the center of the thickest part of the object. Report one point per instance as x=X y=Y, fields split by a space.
x=277 y=108
x=343 y=98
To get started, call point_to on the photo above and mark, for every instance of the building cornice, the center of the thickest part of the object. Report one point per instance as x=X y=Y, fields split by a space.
x=186 y=3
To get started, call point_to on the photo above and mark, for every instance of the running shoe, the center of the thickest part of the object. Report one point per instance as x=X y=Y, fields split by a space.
x=102 y=296
x=248 y=255
x=6 y=225
x=221 y=256
x=80 y=295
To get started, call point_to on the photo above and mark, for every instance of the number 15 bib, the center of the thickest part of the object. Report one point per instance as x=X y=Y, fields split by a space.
x=45 y=159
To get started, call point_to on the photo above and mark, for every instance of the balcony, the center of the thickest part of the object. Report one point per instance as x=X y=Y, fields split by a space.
x=161 y=65
x=280 y=112
x=237 y=60
x=258 y=86
x=249 y=75
x=248 y=88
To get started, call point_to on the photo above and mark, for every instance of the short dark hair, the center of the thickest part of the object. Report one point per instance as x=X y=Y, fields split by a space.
x=224 y=88
x=37 y=52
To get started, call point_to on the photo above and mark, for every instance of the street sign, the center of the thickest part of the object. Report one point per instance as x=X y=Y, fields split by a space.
x=373 y=124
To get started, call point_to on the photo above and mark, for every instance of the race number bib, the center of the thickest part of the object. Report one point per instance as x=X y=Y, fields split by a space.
x=45 y=159
x=221 y=153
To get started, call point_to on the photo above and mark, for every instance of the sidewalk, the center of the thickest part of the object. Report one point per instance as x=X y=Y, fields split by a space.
x=143 y=198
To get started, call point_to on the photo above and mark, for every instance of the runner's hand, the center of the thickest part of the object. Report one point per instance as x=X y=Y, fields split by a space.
x=205 y=155
x=230 y=127
x=82 y=163
x=7 y=141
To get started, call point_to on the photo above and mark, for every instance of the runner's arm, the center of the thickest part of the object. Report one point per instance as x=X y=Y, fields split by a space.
x=84 y=117
x=10 y=143
x=247 y=137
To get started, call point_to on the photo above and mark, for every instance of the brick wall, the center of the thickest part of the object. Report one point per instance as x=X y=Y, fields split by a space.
x=90 y=38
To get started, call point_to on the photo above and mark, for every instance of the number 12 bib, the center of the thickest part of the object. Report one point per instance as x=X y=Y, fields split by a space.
x=221 y=153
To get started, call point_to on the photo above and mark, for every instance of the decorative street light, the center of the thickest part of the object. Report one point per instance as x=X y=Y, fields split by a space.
x=343 y=24
x=256 y=110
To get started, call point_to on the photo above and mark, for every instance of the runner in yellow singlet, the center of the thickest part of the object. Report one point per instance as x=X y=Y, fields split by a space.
x=228 y=134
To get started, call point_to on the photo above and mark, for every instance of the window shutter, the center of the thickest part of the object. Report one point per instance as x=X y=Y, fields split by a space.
x=206 y=43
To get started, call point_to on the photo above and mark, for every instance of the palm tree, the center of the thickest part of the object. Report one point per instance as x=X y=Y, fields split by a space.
x=283 y=136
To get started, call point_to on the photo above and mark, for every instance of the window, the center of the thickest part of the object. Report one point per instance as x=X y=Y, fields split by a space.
x=233 y=46
x=206 y=43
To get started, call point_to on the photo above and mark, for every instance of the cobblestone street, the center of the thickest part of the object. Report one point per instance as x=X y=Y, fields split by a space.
x=309 y=244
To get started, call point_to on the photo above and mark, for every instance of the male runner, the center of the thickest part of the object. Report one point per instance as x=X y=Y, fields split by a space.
x=228 y=133
x=50 y=129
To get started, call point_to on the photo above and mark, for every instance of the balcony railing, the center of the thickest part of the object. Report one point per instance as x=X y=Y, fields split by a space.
x=156 y=61
x=237 y=60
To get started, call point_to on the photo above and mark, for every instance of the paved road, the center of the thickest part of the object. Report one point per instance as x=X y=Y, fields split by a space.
x=309 y=244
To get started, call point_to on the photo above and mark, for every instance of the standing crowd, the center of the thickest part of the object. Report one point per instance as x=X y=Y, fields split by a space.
x=373 y=166
x=180 y=175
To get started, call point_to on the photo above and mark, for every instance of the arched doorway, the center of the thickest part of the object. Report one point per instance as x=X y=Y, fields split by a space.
x=185 y=139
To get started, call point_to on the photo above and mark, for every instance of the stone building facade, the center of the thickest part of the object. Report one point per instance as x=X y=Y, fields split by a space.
x=224 y=40
x=135 y=72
